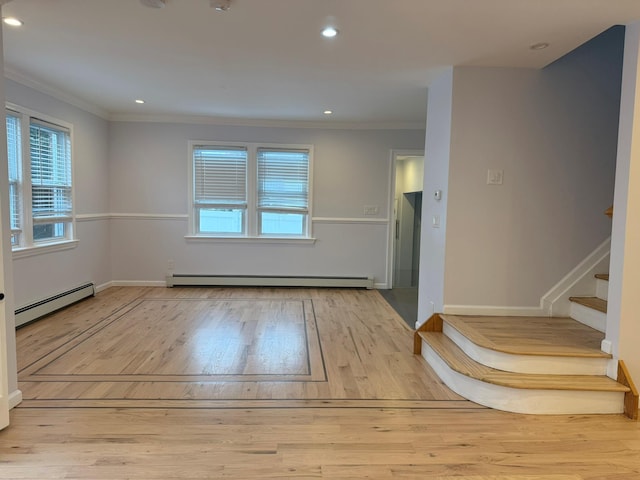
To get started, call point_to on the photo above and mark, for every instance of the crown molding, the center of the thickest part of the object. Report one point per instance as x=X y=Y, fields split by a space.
x=66 y=97
x=246 y=122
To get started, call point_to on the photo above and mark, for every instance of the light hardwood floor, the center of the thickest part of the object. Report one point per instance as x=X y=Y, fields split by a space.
x=155 y=383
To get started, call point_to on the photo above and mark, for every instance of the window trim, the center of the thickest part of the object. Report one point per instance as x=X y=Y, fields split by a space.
x=252 y=211
x=28 y=246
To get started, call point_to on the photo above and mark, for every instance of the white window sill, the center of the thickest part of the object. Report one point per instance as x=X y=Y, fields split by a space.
x=44 y=248
x=282 y=240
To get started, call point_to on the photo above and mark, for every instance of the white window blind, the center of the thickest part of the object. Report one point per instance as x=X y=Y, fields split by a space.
x=51 y=196
x=220 y=175
x=14 y=147
x=283 y=180
x=220 y=189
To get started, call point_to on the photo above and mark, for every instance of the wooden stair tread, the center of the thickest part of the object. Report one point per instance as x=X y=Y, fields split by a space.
x=536 y=336
x=457 y=360
x=602 y=276
x=591 y=302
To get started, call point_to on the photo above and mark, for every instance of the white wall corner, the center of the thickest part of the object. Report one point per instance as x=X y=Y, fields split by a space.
x=15 y=398
x=578 y=282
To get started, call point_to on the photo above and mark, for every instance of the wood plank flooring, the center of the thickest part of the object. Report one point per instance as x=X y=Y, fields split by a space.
x=555 y=336
x=377 y=411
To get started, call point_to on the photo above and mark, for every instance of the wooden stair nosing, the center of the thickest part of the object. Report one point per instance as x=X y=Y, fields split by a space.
x=602 y=276
x=591 y=302
x=482 y=341
x=458 y=361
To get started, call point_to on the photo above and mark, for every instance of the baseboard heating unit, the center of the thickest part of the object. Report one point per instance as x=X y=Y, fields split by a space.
x=38 y=309
x=177 y=280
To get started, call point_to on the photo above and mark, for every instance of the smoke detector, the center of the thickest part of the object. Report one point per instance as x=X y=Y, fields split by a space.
x=153 y=3
x=220 y=5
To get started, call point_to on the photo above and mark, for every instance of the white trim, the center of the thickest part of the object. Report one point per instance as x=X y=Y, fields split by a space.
x=381 y=286
x=149 y=216
x=340 y=220
x=42 y=249
x=281 y=240
x=253 y=122
x=15 y=398
x=137 y=283
x=89 y=217
x=533 y=364
x=529 y=401
x=493 y=310
x=104 y=286
x=577 y=282
x=55 y=93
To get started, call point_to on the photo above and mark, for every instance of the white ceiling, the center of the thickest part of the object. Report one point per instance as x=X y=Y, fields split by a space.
x=266 y=60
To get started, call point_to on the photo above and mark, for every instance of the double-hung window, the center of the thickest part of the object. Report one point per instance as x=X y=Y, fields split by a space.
x=250 y=190
x=40 y=180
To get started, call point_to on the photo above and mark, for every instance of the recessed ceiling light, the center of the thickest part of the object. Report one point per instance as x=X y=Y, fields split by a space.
x=220 y=5
x=539 y=46
x=328 y=112
x=140 y=101
x=13 y=21
x=329 y=32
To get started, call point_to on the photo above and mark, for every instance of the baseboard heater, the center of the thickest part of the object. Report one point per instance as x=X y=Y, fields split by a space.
x=176 y=280
x=34 y=311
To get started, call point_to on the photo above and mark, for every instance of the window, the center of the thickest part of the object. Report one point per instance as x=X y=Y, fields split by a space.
x=40 y=181
x=250 y=190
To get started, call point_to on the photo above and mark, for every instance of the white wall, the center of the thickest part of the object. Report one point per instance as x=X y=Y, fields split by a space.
x=623 y=324
x=436 y=177
x=554 y=133
x=39 y=276
x=149 y=183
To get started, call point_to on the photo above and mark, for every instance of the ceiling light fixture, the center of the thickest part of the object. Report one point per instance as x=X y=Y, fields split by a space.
x=220 y=5
x=539 y=46
x=140 y=101
x=328 y=112
x=329 y=32
x=13 y=21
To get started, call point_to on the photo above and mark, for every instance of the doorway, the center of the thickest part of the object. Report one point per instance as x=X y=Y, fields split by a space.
x=407 y=178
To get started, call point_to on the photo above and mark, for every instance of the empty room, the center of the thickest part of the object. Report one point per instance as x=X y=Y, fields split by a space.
x=320 y=239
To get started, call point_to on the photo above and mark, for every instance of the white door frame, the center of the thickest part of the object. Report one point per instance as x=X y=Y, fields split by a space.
x=391 y=226
x=5 y=256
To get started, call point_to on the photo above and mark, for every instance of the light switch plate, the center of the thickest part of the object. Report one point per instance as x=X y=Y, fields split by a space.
x=371 y=210
x=495 y=177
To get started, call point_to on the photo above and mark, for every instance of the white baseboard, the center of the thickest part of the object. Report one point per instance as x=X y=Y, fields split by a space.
x=104 y=286
x=138 y=283
x=15 y=398
x=494 y=311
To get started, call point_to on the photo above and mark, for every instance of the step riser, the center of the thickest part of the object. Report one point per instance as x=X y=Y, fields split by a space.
x=547 y=365
x=588 y=316
x=602 y=289
x=524 y=400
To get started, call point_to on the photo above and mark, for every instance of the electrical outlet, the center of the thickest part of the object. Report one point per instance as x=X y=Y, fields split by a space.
x=171 y=264
x=371 y=210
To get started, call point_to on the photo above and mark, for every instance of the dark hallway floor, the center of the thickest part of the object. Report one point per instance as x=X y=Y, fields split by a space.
x=405 y=302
